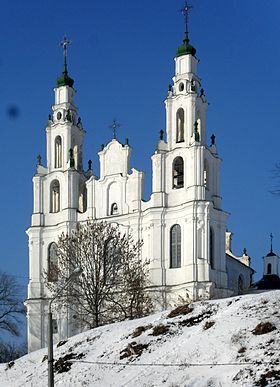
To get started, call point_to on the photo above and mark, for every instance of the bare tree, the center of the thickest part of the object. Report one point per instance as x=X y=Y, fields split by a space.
x=11 y=306
x=132 y=299
x=112 y=285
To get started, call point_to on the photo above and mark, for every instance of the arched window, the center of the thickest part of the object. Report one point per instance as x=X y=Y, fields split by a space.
x=114 y=209
x=55 y=196
x=206 y=174
x=175 y=246
x=58 y=153
x=269 y=268
x=178 y=173
x=211 y=249
x=240 y=285
x=180 y=125
x=52 y=263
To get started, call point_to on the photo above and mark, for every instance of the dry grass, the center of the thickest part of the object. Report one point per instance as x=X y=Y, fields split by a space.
x=208 y=325
x=133 y=349
x=160 y=330
x=263 y=328
x=180 y=311
x=139 y=330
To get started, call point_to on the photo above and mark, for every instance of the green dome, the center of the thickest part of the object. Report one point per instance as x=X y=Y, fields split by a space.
x=64 y=80
x=186 y=49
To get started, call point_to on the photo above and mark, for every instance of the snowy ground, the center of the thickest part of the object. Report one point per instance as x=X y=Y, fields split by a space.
x=213 y=344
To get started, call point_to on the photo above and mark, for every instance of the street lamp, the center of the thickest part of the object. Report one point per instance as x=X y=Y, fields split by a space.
x=72 y=276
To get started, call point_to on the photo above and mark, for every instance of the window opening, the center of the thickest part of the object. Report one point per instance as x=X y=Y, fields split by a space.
x=55 y=196
x=269 y=268
x=240 y=285
x=114 y=209
x=175 y=246
x=178 y=173
x=52 y=263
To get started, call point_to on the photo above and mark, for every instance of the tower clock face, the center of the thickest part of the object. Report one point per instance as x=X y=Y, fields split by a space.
x=59 y=115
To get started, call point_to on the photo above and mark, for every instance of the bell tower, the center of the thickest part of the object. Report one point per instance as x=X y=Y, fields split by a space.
x=271 y=262
x=186 y=177
x=59 y=197
x=186 y=104
x=64 y=131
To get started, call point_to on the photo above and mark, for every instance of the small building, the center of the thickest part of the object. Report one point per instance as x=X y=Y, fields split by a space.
x=270 y=279
x=240 y=273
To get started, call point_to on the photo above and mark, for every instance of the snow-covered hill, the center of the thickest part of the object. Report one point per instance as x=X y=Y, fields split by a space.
x=234 y=341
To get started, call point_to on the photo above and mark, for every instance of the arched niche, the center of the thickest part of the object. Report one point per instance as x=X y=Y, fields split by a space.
x=180 y=125
x=57 y=152
x=55 y=196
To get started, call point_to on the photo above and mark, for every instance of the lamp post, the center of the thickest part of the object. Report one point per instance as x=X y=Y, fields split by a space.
x=73 y=275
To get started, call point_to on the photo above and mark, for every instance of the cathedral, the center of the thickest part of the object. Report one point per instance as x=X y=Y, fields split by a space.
x=183 y=225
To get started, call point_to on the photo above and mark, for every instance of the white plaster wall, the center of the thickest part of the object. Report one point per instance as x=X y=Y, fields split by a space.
x=114 y=159
x=234 y=270
x=274 y=261
x=185 y=64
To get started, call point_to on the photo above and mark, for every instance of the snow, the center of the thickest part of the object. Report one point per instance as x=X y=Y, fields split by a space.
x=186 y=355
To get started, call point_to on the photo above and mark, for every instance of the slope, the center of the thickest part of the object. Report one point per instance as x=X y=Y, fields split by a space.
x=228 y=342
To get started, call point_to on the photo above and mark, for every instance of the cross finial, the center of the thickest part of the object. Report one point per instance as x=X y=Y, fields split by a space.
x=115 y=125
x=185 y=11
x=65 y=43
x=271 y=238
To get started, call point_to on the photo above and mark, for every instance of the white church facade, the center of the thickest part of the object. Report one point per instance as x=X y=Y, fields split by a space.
x=183 y=225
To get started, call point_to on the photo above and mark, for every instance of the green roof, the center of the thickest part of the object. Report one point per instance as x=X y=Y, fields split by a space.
x=64 y=80
x=186 y=49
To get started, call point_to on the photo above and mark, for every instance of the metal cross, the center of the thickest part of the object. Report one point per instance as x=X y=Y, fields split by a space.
x=65 y=43
x=185 y=11
x=271 y=238
x=115 y=125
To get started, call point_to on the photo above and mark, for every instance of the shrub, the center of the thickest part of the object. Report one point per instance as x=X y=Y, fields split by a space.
x=160 y=330
x=263 y=328
x=139 y=330
x=180 y=311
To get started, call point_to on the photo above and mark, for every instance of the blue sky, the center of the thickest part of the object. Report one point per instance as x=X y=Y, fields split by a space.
x=121 y=58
